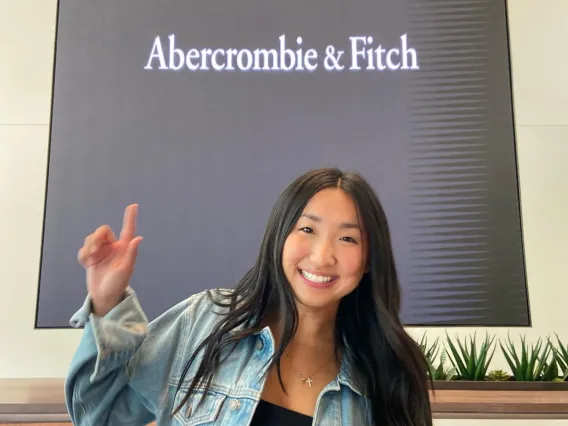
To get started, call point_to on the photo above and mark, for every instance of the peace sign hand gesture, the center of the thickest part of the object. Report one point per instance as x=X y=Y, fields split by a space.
x=109 y=262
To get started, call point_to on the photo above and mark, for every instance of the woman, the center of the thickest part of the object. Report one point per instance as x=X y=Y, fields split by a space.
x=310 y=335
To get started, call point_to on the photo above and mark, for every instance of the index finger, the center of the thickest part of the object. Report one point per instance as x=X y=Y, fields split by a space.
x=129 y=222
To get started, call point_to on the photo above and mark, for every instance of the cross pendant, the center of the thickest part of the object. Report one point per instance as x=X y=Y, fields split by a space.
x=309 y=381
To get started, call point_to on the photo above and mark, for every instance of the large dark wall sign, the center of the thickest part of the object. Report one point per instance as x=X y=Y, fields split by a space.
x=203 y=111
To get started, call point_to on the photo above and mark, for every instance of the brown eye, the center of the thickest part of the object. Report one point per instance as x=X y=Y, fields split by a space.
x=349 y=240
x=307 y=229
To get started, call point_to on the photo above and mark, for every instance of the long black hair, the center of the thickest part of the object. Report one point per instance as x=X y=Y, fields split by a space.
x=392 y=370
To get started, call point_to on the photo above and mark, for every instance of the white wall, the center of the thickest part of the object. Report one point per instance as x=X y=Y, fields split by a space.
x=539 y=30
x=27 y=35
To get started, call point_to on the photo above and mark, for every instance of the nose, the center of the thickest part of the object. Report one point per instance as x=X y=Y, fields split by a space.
x=322 y=253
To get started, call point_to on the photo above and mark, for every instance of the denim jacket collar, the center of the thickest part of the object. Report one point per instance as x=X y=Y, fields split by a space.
x=346 y=371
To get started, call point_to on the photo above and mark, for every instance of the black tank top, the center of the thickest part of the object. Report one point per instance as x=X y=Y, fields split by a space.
x=268 y=414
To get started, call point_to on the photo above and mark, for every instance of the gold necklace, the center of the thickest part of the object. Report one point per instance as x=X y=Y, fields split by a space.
x=308 y=379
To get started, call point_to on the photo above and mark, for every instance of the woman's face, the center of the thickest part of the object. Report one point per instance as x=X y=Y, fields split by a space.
x=325 y=255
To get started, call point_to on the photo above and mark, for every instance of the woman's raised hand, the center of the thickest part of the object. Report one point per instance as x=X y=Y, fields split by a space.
x=109 y=262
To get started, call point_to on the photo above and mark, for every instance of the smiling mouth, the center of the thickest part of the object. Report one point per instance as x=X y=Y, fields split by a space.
x=317 y=279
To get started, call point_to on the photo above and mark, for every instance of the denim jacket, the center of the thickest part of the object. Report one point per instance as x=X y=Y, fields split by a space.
x=125 y=371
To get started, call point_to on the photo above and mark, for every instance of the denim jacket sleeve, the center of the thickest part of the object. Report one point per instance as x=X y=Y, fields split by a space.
x=119 y=373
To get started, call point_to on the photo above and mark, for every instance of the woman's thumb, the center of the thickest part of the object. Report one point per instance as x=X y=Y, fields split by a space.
x=132 y=251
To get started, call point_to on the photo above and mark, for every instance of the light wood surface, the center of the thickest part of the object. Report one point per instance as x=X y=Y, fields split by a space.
x=36 y=391
x=500 y=404
x=42 y=400
x=35 y=424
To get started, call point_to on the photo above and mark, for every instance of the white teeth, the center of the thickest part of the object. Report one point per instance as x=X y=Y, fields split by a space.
x=316 y=278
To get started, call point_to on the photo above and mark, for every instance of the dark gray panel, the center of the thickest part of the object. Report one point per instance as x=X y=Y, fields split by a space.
x=205 y=154
x=465 y=239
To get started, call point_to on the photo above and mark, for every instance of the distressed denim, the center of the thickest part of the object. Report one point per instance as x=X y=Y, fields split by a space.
x=125 y=371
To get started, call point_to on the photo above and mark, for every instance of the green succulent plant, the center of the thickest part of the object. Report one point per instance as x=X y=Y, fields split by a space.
x=430 y=353
x=546 y=360
x=498 y=376
x=561 y=356
x=444 y=371
x=534 y=363
x=469 y=362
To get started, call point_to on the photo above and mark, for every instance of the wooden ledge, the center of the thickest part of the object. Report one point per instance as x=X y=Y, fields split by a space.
x=32 y=400
x=42 y=400
x=500 y=404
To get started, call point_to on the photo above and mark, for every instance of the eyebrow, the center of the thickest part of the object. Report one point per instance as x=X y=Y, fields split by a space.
x=343 y=225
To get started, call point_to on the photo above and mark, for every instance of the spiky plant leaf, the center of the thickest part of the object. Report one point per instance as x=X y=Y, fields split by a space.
x=561 y=355
x=533 y=363
x=470 y=362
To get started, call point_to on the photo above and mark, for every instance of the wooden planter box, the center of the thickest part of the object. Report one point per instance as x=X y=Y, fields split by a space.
x=500 y=400
x=510 y=385
x=42 y=400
